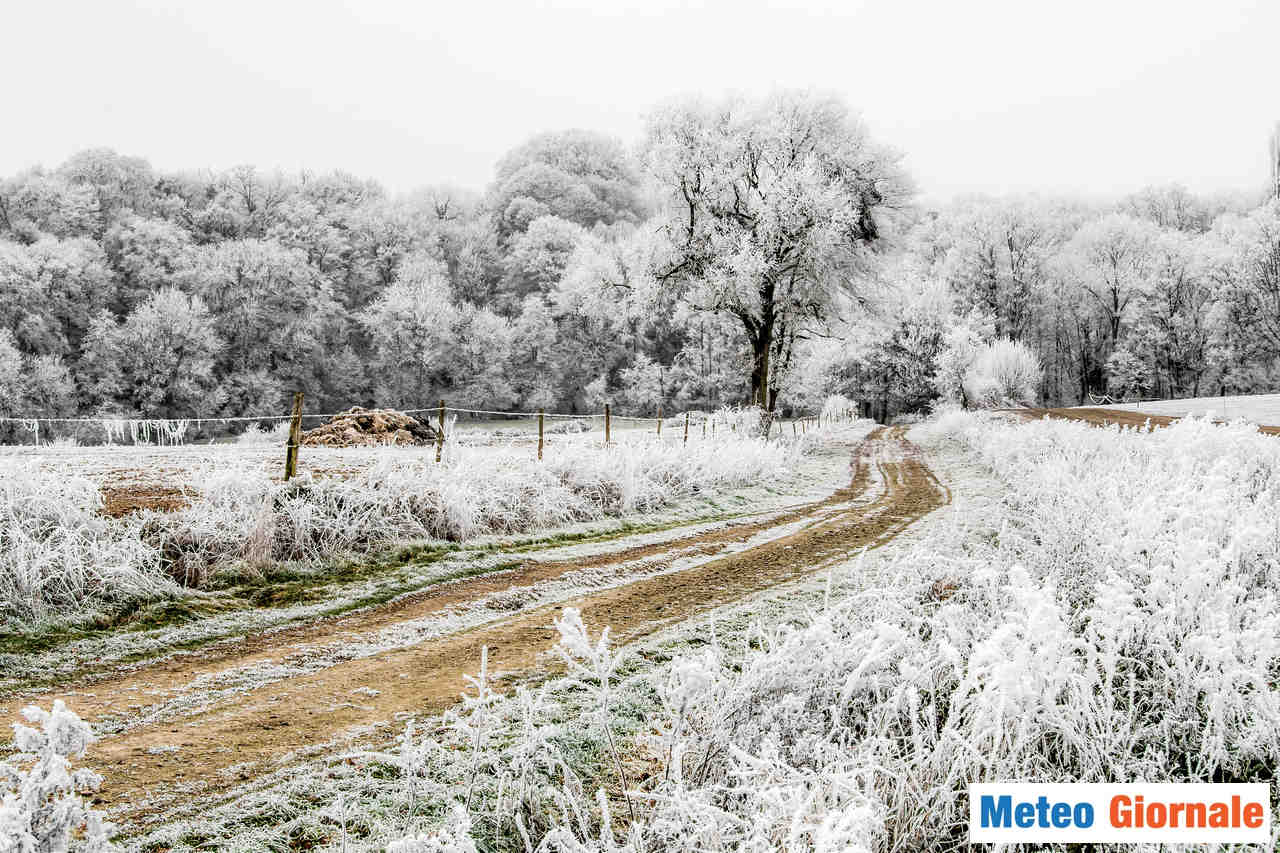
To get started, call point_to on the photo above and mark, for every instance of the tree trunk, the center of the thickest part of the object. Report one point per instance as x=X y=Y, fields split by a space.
x=761 y=344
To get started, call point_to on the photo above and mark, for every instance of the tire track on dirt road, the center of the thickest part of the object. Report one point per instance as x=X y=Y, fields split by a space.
x=151 y=768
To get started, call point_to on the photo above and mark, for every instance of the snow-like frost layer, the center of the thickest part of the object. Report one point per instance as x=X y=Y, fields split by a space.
x=1112 y=615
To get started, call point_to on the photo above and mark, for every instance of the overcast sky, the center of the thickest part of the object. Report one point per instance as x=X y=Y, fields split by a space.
x=991 y=96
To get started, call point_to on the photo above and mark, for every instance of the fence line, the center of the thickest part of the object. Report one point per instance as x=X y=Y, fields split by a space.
x=173 y=431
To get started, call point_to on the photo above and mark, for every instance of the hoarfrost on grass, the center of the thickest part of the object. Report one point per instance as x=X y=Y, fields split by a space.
x=1120 y=624
x=62 y=557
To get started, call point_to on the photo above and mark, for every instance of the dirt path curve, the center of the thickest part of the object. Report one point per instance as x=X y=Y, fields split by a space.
x=209 y=751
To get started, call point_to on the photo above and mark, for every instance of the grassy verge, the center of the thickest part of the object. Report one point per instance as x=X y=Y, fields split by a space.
x=284 y=585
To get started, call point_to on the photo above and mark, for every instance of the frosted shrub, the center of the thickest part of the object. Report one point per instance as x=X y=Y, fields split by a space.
x=41 y=810
x=257 y=434
x=838 y=407
x=745 y=421
x=1003 y=373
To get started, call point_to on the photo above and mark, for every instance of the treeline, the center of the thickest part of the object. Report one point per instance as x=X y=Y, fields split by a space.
x=128 y=291
x=1159 y=294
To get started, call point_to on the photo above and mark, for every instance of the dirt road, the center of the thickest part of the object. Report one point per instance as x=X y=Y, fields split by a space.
x=205 y=748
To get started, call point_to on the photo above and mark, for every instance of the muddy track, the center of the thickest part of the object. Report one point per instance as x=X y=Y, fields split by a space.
x=155 y=767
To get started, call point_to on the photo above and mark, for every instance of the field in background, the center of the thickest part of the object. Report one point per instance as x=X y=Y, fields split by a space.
x=162 y=477
x=1255 y=408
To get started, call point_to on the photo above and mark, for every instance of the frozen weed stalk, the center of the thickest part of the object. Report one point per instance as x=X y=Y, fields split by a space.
x=594 y=667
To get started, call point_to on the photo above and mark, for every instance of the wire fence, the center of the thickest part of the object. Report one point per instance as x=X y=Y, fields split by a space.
x=157 y=437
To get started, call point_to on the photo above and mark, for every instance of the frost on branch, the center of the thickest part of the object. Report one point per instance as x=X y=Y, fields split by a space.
x=42 y=811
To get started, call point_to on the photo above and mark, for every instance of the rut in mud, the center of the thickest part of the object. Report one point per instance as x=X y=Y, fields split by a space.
x=209 y=750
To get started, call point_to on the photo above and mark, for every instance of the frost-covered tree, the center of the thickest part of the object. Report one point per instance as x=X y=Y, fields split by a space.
x=995 y=254
x=167 y=348
x=119 y=182
x=769 y=209
x=1172 y=320
x=11 y=384
x=48 y=388
x=1111 y=260
x=49 y=290
x=644 y=385
x=477 y=363
x=576 y=175
x=537 y=258
x=148 y=255
x=98 y=373
x=1245 y=265
x=41 y=804
x=961 y=344
x=411 y=330
x=270 y=308
x=533 y=355
x=1170 y=207
x=1127 y=376
x=35 y=203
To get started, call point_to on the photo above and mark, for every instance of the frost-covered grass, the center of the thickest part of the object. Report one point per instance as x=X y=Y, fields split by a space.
x=1115 y=619
x=1122 y=625
x=60 y=556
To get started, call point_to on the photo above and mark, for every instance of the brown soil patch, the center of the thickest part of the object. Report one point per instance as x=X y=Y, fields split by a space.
x=259 y=729
x=119 y=501
x=1106 y=417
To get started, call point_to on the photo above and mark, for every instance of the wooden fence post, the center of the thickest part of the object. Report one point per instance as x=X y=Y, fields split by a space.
x=686 y=427
x=540 y=417
x=440 y=434
x=606 y=424
x=295 y=438
x=659 y=420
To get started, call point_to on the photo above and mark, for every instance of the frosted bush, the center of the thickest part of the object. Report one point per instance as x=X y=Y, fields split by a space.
x=257 y=434
x=746 y=421
x=838 y=407
x=41 y=810
x=1003 y=373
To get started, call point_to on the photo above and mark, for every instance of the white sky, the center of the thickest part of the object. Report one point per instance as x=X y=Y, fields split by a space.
x=1091 y=96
